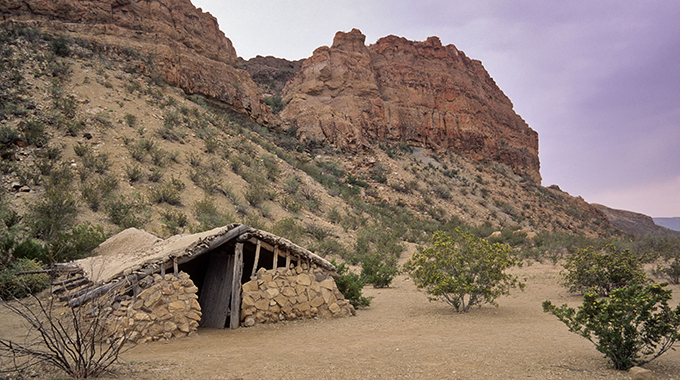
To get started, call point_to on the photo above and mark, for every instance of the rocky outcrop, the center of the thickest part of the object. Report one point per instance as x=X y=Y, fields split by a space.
x=270 y=73
x=185 y=44
x=422 y=93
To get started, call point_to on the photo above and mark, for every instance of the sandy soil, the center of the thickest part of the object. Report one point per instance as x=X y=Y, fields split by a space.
x=401 y=336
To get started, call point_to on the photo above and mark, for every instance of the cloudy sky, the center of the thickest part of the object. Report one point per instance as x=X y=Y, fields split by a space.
x=598 y=80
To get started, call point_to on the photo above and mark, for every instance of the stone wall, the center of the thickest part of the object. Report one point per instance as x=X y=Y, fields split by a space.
x=166 y=308
x=288 y=294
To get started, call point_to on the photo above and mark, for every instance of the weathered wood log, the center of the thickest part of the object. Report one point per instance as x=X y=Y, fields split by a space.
x=275 y=262
x=75 y=294
x=257 y=259
x=72 y=285
x=67 y=281
x=232 y=234
x=235 y=318
x=101 y=290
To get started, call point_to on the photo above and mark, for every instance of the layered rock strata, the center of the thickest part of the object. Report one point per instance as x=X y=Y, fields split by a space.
x=421 y=93
x=184 y=44
x=288 y=294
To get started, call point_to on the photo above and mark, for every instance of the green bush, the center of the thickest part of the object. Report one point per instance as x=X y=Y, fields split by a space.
x=208 y=216
x=351 y=286
x=463 y=270
x=13 y=286
x=60 y=46
x=77 y=243
x=123 y=212
x=377 y=272
x=165 y=193
x=633 y=326
x=602 y=270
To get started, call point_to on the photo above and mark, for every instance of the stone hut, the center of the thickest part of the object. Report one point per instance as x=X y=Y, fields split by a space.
x=227 y=277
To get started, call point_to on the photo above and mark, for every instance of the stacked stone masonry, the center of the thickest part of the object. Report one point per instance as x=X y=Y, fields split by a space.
x=287 y=294
x=167 y=308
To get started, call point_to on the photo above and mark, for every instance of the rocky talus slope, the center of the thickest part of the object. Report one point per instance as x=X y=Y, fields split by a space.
x=182 y=44
x=421 y=93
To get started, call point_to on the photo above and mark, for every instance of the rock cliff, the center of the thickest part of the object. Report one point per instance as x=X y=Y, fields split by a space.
x=422 y=93
x=185 y=44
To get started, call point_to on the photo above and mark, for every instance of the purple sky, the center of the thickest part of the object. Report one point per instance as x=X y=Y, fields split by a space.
x=598 y=80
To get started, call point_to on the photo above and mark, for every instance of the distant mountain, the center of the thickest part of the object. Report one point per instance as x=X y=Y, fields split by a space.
x=634 y=223
x=670 y=223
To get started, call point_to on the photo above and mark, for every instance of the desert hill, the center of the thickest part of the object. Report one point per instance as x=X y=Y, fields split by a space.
x=136 y=113
x=634 y=223
x=670 y=223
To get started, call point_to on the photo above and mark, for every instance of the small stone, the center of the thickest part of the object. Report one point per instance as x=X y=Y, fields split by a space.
x=250 y=286
x=262 y=304
x=273 y=292
x=266 y=277
x=334 y=308
x=193 y=315
x=176 y=306
x=169 y=326
x=316 y=302
x=289 y=292
x=191 y=289
x=153 y=298
x=639 y=373
x=247 y=301
x=141 y=316
x=184 y=327
x=304 y=280
x=327 y=284
x=281 y=300
x=305 y=306
x=248 y=322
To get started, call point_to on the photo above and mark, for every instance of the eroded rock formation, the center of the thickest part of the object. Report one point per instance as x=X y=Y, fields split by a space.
x=185 y=44
x=422 y=93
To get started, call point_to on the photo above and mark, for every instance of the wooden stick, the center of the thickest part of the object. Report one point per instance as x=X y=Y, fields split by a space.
x=287 y=259
x=174 y=266
x=235 y=308
x=67 y=281
x=257 y=258
x=72 y=285
x=276 y=258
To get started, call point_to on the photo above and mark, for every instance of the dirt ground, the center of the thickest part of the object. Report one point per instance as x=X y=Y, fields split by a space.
x=401 y=336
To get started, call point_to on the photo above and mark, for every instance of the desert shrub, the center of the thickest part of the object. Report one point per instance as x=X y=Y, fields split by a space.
x=351 y=286
x=130 y=120
x=255 y=195
x=328 y=247
x=74 y=340
x=601 y=271
x=173 y=221
x=377 y=271
x=60 y=46
x=156 y=174
x=76 y=243
x=463 y=270
x=275 y=103
x=34 y=132
x=209 y=216
x=667 y=248
x=289 y=229
x=124 y=211
x=633 y=326
x=13 y=286
x=165 y=193
x=133 y=173
x=56 y=210
x=82 y=149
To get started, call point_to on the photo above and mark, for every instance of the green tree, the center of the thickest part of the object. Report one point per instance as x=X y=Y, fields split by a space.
x=463 y=270
x=633 y=326
x=351 y=286
x=603 y=270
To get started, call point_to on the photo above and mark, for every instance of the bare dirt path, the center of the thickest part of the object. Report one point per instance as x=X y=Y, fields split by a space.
x=401 y=336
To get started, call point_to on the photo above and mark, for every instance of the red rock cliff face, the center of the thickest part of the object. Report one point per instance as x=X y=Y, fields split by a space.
x=187 y=47
x=421 y=93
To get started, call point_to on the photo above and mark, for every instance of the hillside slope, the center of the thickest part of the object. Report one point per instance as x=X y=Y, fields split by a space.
x=90 y=134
